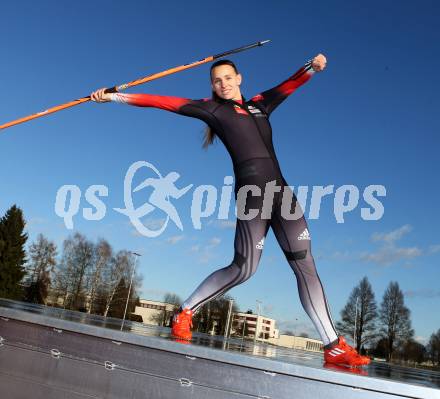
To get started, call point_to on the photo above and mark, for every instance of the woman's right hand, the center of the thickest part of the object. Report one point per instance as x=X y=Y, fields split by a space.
x=100 y=97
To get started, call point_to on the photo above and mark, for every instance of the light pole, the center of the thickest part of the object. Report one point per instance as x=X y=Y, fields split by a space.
x=244 y=328
x=294 y=333
x=258 y=318
x=228 y=322
x=231 y=301
x=129 y=288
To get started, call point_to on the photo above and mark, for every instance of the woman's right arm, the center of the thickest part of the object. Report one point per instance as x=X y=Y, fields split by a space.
x=168 y=103
x=200 y=109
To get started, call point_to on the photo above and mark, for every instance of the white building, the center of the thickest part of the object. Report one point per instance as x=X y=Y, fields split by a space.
x=307 y=344
x=155 y=312
x=245 y=324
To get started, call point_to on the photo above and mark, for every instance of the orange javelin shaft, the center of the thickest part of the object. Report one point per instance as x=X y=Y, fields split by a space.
x=131 y=84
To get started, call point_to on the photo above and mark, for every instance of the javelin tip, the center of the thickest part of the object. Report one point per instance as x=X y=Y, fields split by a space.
x=264 y=42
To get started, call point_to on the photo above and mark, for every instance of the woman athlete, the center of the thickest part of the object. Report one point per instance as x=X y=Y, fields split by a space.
x=243 y=127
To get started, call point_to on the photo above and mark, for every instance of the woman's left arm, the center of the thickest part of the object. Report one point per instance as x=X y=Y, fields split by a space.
x=271 y=98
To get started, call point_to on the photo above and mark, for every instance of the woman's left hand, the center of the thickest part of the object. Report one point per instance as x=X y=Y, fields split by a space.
x=319 y=62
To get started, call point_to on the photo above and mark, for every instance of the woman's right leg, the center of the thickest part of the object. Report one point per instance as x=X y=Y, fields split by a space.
x=248 y=244
x=294 y=239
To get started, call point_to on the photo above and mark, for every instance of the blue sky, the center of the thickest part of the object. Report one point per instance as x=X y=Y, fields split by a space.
x=368 y=119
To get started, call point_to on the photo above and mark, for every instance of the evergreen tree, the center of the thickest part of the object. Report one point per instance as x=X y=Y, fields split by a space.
x=119 y=301
x=413 y=352
x=121 y=266
x=359 y=314
x=434 y=348
x=394 y=318
x=12 y=253
x=380 y=350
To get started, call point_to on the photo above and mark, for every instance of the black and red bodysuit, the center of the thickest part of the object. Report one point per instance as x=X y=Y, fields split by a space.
x=245 y=130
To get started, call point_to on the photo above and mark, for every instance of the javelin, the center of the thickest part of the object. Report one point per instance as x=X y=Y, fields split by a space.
x=132 y=83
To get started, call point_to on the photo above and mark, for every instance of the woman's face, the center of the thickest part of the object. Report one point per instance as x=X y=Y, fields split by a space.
x=226 y=82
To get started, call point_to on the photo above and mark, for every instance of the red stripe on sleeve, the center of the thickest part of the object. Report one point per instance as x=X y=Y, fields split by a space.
x=298 y=79
x=167 y=103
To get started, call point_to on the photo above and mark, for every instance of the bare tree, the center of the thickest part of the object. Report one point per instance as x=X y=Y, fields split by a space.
x=62 y=281
x=76 y=262
x=102 y=253
x=88 y=275
x=359 y=314
x=172 y=298
x=163 y=318
x=42 y=261
x=120 y=268
x=394 y=318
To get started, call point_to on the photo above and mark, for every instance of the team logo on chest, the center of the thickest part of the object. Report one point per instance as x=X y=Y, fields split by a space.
x=255 y=111
x=250 y=110
x=240 y=110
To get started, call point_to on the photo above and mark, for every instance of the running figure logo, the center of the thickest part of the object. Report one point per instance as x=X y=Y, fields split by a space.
x=163 y=188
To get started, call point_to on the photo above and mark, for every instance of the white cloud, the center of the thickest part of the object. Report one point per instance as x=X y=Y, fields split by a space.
x=433 y=249
x=268 y=309
x=35 y=221
x=205 y=258
x=222 y=224
x=422 y=293
x=174 y=239
x=421 y=340
x=392 y=236
x=136 y=233
x=227 y=224
x=274 y=259
x=389 y=254
x=213 y=242
x=336 y=256
x=206 y=253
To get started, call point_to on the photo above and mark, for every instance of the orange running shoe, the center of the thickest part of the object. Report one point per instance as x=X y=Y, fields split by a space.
x=182 y=323
x=342 y=353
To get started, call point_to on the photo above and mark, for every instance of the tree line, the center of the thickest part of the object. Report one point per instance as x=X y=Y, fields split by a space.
x=87 y=276
x=386 y=330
